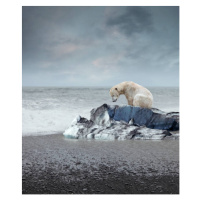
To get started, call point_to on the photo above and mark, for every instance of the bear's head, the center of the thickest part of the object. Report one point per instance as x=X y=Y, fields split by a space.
x=114 y=93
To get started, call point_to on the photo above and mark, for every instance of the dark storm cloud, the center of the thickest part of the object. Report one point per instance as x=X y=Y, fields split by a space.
x=133 y=20
x=73 y=46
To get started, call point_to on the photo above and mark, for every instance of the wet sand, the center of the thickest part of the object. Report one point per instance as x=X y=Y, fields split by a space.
x=54 y=165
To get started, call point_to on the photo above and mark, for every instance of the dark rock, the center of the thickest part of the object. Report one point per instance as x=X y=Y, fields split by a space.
x=151 y=118
x=124 y=122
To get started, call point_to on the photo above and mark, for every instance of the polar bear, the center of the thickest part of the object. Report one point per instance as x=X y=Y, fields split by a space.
x=136 y=95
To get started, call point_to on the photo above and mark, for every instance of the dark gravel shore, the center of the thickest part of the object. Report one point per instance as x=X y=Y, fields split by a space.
x=54 y=165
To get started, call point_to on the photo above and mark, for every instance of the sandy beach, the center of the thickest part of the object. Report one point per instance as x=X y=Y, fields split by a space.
x=52 y=164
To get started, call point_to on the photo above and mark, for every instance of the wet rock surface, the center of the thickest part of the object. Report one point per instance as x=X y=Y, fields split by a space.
x=55 y=165
x=151 y=118
x=124 y=122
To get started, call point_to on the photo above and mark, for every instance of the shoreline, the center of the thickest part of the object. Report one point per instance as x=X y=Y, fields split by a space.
x=52 y=164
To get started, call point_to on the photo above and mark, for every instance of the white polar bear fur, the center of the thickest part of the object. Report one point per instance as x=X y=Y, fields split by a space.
x=136 y=95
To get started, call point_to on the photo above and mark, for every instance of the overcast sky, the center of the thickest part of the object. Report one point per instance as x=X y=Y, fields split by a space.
x=100 y=46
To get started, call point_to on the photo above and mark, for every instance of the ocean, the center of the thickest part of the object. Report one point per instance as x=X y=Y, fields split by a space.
x=50 y=110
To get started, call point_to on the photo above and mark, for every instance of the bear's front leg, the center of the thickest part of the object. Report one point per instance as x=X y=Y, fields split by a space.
x=130 y=101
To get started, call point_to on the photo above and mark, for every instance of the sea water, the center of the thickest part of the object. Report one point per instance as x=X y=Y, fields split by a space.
x=50 y=110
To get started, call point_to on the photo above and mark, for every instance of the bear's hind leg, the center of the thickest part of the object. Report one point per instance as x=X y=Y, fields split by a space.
x=142 y=101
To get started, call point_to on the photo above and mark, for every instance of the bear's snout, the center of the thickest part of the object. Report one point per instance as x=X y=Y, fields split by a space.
x=114 y=99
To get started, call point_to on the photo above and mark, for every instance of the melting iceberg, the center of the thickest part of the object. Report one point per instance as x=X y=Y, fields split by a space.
x=124 y=122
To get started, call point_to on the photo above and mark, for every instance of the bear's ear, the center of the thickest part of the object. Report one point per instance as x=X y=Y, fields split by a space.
x=115 y=88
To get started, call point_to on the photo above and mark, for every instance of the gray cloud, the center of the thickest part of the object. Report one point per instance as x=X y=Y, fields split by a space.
x=102 y=46
x=133 y=20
